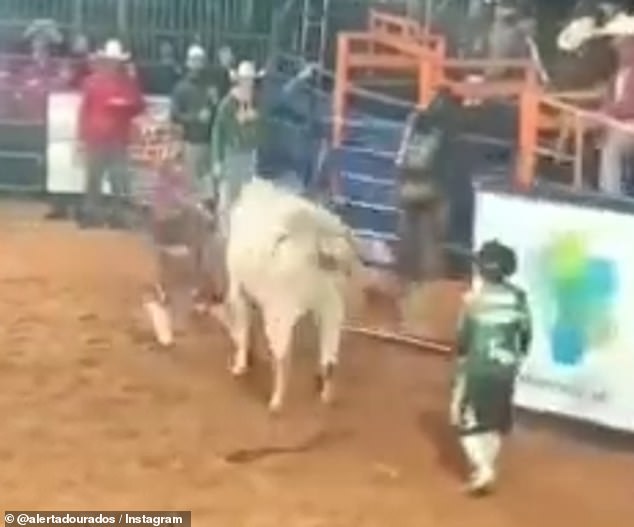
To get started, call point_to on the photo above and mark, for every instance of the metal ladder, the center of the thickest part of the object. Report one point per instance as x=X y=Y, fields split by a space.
x=314 y=30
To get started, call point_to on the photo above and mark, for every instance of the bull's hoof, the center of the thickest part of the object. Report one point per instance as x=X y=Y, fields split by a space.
x=238 y=370
x=327 y=395
x=275 y=407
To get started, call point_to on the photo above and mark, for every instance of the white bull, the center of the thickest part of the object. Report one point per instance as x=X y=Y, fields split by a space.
x=289 y=257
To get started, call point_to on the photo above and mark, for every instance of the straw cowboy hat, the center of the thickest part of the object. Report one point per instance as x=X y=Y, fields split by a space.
x=45 y=29
x=113 y=50
x=246 y=71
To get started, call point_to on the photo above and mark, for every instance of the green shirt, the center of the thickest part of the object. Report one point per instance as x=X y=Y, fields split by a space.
x=230 y=135
x=494 y=333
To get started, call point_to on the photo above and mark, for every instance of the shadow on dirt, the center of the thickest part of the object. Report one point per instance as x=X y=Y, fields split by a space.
x=435 y=426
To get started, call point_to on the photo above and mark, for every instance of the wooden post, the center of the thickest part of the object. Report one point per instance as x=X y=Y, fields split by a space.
x=426 y=75
x=528 y=131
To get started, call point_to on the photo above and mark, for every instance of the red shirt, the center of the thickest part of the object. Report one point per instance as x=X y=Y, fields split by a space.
x=110 y=101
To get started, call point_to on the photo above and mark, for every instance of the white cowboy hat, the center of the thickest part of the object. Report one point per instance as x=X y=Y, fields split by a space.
x=621 y=25
x=246 y=71
x=113 y=50
x=196 y=52
x=577 y=33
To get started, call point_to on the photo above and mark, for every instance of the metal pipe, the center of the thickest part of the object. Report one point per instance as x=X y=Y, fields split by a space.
x=398 y=338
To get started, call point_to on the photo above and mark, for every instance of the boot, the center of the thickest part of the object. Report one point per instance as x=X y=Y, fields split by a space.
x=477 y=450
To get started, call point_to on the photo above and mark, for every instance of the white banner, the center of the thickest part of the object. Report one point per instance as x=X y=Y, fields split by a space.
x=576 y=264
x=65 y=171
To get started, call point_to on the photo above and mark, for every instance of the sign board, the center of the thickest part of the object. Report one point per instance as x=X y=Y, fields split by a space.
x=65 y=169
x=575 y=262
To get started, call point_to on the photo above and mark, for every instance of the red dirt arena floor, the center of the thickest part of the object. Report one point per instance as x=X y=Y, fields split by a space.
x=94 y=418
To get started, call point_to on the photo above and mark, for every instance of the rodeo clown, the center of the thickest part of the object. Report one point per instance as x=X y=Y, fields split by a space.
x=494 y=335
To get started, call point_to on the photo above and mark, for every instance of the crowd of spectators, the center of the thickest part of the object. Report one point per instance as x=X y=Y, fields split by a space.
x=47 y=60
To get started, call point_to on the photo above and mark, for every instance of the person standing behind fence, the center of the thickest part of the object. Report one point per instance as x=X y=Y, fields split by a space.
x=193 y=107
x=235 y=139
x=223 y=71
x=110 y=100
x=619 y=105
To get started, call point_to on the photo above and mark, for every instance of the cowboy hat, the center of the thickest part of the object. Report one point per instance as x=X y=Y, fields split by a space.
x=621 y=25
x=577 y=33
x=113 y=50
x=246 y=71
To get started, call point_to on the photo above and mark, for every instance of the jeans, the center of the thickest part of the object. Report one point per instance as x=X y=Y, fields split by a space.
x=111 y=162
x=421 y=232
x=617 y=144
x=238 y=169
x=196 y=157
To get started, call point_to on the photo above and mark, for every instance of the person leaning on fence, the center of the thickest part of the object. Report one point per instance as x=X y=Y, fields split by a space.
x=235 y=139
x=189 y=255
x=494 y=336
x=421 y=162
x=619 y=105
x=193 y=108
x=110 y=100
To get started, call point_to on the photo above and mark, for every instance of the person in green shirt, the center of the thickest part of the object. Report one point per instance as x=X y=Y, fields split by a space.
x=235 y=139
x=494 y=335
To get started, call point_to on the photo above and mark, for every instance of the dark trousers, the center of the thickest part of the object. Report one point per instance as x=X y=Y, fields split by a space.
x=421 y=233
x=110 y=162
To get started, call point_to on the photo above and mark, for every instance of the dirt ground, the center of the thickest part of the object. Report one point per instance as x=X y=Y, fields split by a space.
x=92 y=417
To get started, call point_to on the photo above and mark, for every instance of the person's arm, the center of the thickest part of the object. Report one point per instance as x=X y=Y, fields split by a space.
x=219 y=134
x=137 y=105
x=179 y=110
x=84 y=110
x=525 y=325
x=461 y=349
x=623 y=107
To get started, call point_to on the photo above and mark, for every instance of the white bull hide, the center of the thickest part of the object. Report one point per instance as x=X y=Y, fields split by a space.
x=289 y=257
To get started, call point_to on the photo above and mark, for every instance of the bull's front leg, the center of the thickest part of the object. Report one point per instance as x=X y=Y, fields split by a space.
x=330 y=317
x=240 y=316
x=279 y=330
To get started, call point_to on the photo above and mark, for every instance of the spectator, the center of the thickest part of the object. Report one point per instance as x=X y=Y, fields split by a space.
x=193 y=107
x=42 y=73
x=619 y=105
x=235 y=139
x=224 y=71
x=161 y=78
x=587 y=58
x=80 y=57
x=110 y=101
x=507 y=38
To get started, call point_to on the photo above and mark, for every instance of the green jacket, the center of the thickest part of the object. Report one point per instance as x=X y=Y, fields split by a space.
x=229 y=135
x=494 y=334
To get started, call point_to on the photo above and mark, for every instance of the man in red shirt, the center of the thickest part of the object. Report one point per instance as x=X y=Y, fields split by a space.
x=111 y=99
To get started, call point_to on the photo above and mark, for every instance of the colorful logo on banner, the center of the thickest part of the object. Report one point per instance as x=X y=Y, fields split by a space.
x=576 y=292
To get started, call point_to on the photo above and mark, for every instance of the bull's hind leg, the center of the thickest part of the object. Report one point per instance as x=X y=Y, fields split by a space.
x=329 y=319
x=240 y=315
x=279 y=331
